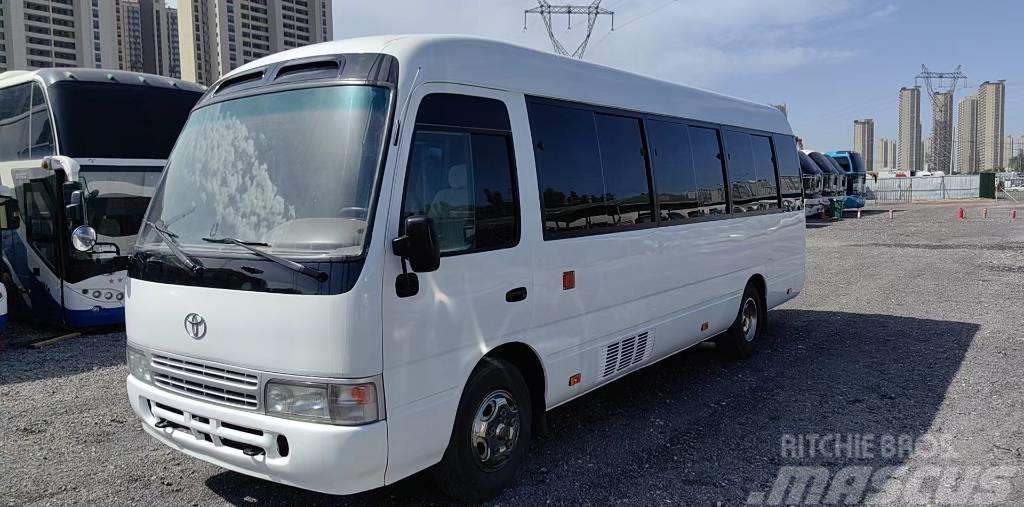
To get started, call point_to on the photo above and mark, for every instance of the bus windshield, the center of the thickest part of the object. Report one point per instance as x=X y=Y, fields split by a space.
x=293 y=169
x=111 y=120
x=116 y=198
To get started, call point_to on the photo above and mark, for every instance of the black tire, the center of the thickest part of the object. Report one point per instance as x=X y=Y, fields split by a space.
x=467 y=472
x=746 y=335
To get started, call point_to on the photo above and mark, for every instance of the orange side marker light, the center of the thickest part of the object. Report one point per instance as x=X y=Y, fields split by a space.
x=575 y=379
x=568 y=280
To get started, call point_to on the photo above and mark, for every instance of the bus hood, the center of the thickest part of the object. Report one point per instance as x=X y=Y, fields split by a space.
x=321 y=335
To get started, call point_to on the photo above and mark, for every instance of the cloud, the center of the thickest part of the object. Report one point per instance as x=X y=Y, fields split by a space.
x=700 y=42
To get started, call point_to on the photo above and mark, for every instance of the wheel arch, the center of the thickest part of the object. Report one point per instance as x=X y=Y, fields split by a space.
x=527 y=361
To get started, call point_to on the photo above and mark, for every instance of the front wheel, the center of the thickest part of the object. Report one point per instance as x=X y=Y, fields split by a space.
x=746 y=335
x=491 y=434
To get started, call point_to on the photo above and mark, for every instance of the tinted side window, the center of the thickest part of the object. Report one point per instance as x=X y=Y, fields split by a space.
x=674 y=179
x=14 y=122
x=751 y=171
x=37 y=204
x=709 y=175
x=766 y=181
x=591 y=170
x=790 y=184
x=626 y=189
x=464 y=179
x=568 y=169
x=41 y=137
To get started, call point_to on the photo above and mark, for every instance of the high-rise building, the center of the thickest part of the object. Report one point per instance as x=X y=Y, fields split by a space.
x=910 y=148
x=147 y=34
x=1009 y=149
x=217 y=36
x=991 y=127
x=864 y=141
x=57 y=33
x=885 y=159
x=967 y=135
x=941 y=139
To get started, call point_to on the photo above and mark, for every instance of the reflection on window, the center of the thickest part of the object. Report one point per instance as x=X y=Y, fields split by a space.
x=683 y=191
x=38 y=208
x=14 y=122
x=294 y=169
x=752 y=172
x=41 y=137
x=790 y=182
x=464 y=182
x=591 y=170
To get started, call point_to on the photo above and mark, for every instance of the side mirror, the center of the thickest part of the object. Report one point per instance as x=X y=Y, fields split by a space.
x=10 y=215
x=419 y=245
x=83 y=238
x=75 y=209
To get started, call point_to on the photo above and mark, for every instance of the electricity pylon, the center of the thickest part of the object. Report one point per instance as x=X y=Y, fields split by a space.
x=592 y=11
x=941 y=86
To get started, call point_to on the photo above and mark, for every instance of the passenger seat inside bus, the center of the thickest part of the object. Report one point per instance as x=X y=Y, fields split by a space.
x=451 y=210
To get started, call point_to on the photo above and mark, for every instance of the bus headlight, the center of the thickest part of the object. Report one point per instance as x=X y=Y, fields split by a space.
x=343 y=404
x=138 y=364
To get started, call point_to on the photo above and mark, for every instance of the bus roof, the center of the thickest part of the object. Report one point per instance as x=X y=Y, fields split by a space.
x=55 y=75
x=500 y=65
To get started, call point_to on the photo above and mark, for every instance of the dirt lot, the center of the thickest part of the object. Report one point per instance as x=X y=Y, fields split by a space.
x=908 y=332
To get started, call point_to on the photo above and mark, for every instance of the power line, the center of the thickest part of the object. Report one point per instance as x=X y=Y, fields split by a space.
x=545 y=10
x=638 y=18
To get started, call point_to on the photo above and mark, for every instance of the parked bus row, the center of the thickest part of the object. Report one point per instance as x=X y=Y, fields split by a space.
x=831 y=177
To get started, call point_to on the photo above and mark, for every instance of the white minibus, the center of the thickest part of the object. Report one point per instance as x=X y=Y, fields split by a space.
x=372 y=257
x=81 y=151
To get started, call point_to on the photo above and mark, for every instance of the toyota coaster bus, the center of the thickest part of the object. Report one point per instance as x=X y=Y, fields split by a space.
x=81 y=151
x=376 y=256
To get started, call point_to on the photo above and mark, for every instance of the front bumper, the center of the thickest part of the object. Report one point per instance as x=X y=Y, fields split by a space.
x=340 y=460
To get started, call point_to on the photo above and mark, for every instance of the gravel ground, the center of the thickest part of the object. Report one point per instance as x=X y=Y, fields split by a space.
x=909 y=327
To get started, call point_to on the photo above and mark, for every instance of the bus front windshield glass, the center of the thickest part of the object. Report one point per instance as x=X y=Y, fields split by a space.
x=291 y=172
x=115 y=198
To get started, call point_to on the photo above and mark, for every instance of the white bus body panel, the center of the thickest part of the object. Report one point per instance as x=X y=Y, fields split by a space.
x=320 y=336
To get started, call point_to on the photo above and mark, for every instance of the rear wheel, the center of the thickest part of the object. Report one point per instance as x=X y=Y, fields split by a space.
x=746 y=335
x=491 y=435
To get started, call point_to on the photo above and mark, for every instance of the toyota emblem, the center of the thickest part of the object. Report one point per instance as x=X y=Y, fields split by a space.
x=195 y=326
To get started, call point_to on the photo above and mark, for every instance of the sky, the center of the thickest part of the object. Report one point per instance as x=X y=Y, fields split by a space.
x=830 y=61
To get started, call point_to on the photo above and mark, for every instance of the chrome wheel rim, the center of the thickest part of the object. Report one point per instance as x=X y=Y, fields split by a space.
x=748 y=319
x=495 y=429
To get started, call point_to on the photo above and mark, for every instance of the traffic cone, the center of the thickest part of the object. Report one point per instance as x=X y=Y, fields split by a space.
x=960 y=214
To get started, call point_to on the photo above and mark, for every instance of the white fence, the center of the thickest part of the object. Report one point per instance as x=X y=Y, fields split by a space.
x=923 y=188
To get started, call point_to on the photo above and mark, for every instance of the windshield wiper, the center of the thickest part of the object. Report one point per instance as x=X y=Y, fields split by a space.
x=320 y=276
x=191 y=263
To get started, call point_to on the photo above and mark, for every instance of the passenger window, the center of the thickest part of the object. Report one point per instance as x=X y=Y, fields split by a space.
x=627 y=189
x=790 y=184
x=41 y=137
x=591 y=171
x=687 y=171
x=14 y=122
x=708 y=168
x=463 y=177
x=752 y=172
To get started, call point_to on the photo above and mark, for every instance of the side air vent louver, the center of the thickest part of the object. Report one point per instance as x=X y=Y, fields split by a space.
x=625 y=353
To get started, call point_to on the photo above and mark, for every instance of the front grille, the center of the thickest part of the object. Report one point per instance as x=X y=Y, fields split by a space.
x=206 y=391
x=211 y=382
x=241 y=379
